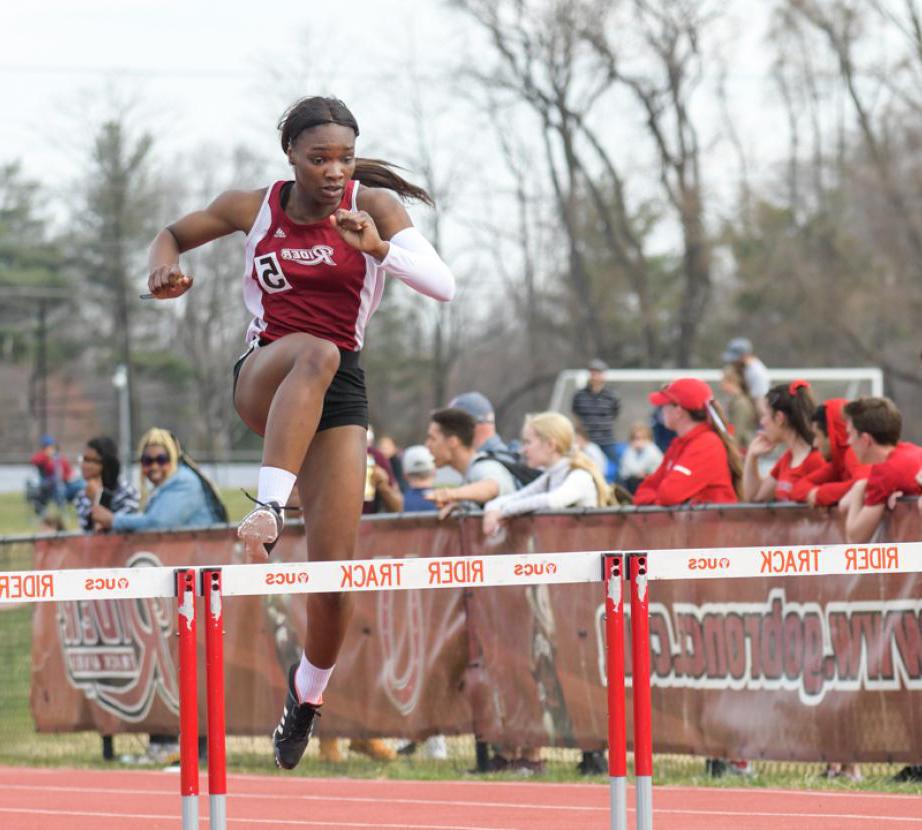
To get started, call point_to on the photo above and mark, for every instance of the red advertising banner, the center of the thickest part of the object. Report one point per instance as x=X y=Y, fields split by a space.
x=831 y=665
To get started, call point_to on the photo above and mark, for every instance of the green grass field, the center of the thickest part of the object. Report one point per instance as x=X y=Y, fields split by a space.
x=16 y=517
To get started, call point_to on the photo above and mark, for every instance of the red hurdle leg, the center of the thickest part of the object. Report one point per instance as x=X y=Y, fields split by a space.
x=214 y=670
x=643 y=731
x=614 y=659
x=188 y=698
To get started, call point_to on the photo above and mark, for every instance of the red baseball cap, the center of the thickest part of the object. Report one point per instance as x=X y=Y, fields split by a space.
x=689 y=393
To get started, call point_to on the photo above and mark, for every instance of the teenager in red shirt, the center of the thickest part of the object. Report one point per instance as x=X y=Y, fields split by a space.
x=702 y=464
x=874 y=426
x=787 y=418
x=827 y=484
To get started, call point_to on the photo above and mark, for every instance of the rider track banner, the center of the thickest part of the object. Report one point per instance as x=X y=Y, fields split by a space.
x=783 y=667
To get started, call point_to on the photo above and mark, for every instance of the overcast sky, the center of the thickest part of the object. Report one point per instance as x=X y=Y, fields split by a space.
x=195 y=75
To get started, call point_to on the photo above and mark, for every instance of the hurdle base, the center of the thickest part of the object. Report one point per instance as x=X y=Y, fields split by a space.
x=644 y=787
x=618 y=802
x=190 y=812
x=217 y=815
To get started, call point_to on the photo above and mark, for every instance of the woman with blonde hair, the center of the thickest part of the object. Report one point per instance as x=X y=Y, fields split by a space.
x=181 y=497
x=570 y=479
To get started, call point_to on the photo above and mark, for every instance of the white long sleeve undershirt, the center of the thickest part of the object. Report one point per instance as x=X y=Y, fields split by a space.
x=413 y=260
x=560 y=486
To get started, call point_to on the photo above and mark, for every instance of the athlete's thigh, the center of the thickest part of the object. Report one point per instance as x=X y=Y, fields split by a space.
x=264 y=369
x=332 y=489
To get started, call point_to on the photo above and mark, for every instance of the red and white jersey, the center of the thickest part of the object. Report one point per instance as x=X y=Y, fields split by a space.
x=307 y=278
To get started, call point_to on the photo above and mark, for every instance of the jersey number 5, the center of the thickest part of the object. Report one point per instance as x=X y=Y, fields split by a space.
x=270 y=275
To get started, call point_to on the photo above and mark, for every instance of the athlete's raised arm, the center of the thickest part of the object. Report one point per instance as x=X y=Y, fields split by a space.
x=232 y=211
x=383 y=229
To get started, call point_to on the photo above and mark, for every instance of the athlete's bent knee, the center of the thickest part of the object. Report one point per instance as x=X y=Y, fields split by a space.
x=319 y=359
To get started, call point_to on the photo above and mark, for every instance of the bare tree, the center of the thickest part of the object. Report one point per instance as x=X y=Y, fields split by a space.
x=563 y=60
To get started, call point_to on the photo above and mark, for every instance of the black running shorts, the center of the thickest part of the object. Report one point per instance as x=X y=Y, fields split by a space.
x=345 y=402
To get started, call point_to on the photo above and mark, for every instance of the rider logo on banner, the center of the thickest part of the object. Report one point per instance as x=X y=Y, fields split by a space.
x=403 y=640
x=117 y=651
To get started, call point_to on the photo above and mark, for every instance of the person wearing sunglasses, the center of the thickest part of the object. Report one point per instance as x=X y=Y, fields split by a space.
x=103 y=484
x=181 y=496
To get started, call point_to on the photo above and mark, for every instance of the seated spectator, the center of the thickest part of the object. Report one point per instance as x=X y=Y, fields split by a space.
x=739 y=352
x=702 y=464
x=419 y=470
x=787 y=418
x=592 y=450
x=569 y=479
x=874 y=426
x=741 y=409
x=387 y=446
x=640 y=458
x=478 y=406
x=100 y=469
x=450 y=438
x=103 y=484
x=827 y=484
x=382 y=492
x=182 y=495
x=662 y=435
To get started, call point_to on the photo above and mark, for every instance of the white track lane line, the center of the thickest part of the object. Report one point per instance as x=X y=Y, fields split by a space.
x=478 y=805
x=232 y=821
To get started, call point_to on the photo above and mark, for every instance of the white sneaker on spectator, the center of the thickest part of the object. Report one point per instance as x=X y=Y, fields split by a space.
x=435 y=748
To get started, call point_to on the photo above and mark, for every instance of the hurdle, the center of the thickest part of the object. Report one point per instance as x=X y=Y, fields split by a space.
x=612 y=568
x=214 y=583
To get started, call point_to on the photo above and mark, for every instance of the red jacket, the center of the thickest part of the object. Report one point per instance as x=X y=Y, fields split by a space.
x=694 y=469
x=54 y=467
x=836 y=477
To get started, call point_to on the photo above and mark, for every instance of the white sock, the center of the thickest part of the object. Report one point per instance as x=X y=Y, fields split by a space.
x=311 y=681
x=275 y=484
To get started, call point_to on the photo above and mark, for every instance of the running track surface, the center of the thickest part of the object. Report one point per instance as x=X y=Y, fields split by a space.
x=36 y=799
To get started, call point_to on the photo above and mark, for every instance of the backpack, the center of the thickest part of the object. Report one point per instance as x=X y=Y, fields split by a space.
x=521 y=472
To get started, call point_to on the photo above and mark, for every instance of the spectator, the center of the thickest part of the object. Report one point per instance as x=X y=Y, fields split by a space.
x=702 y=465
x=741 y=409
x=419 y=468
x=478 y=406
x=103 y=484
x=640 y=458
x=382 y=494
x=387 y=446
x=182 y=495
x=56 y=480
x=739 y=352
x=827 y=484
x=450 y=439
x=873 y=426
x=569 y=479
x=100 y=469
x=596 y=407
x=662 y=435
x=592 y=450
x=787 y=418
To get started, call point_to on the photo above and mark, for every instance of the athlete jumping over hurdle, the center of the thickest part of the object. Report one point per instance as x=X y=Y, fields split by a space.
x=317 y=249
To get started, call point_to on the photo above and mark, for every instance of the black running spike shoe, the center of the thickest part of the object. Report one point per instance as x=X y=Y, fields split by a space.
x=295 y=727
x=260 y=529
